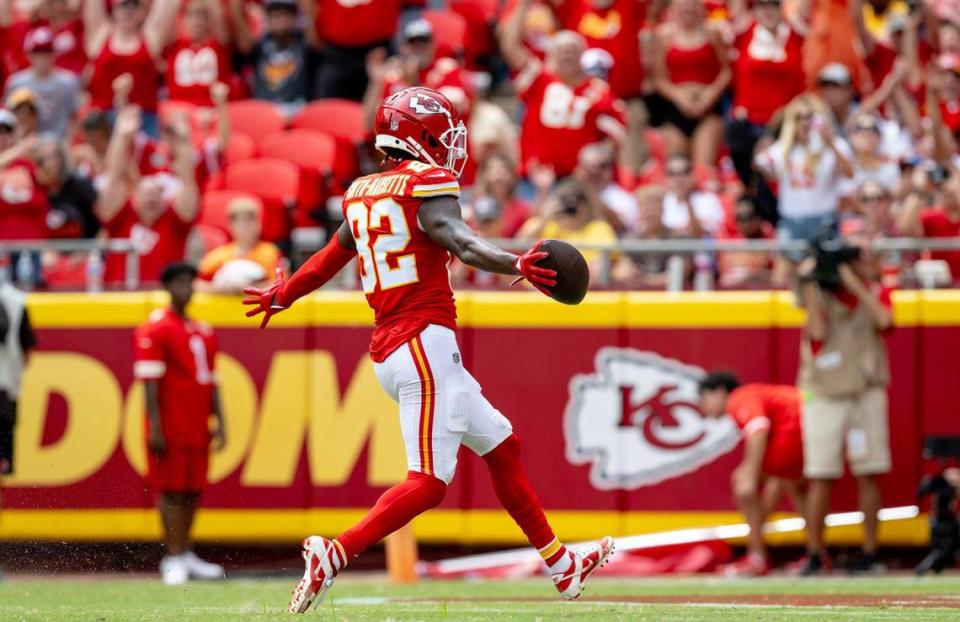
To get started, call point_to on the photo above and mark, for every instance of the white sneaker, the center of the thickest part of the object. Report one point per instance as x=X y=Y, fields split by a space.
x=585 y=559
x=318 y=575
x=173 y=570
x=202 y=569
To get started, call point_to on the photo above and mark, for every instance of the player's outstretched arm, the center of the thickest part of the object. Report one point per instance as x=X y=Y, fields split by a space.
x=441 y=220
x=320 y=268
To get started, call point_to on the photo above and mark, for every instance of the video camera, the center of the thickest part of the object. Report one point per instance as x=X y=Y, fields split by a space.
x=831 y=250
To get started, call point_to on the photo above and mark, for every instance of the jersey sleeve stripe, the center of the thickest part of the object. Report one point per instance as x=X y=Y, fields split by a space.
x=149 y=370
x=442 y=190
x=440 y=186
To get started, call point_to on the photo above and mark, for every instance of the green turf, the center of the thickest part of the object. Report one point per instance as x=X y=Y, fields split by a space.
x=365 y=598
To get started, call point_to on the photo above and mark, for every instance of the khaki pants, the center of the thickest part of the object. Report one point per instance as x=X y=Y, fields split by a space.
x=854 y=426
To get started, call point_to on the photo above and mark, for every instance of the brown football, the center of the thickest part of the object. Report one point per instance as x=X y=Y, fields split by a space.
x=573 y=276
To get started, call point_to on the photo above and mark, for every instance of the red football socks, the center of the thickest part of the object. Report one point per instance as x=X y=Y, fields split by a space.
x=517 y=497
x=394 y=509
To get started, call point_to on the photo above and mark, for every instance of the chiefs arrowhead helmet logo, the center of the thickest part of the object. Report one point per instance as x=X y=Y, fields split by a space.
x=424 y=104
x=636 y=422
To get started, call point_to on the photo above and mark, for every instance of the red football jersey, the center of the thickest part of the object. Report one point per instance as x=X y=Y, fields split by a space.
x=403 y=272
x=762 y=60
x=109 y=65
x=775 y=408
x=159 y=243
x=561 y=120
x=192 y=68
x=179 y=353
x=615 y=29
x=23 y=203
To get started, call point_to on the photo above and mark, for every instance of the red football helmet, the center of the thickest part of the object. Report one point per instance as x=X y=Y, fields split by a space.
x=423 y=123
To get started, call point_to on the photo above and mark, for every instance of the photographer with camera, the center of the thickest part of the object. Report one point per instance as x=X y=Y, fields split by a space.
x=844 y=373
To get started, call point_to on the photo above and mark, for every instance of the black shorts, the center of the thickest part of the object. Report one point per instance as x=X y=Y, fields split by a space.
x=8 y=419
x=673 y=116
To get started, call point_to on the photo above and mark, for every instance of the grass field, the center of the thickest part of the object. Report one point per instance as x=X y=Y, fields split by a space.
x=370 y=598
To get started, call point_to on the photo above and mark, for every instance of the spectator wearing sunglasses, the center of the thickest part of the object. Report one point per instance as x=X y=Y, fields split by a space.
x=874 y=206
x=869 y=161
x=247 y=260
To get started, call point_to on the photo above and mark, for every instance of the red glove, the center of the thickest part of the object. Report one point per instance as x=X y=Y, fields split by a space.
x=265 y=300
x=537 y=276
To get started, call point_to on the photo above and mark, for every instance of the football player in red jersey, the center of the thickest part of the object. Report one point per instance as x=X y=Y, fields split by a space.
x=174 y=357
x=769 y=417
x=403 y=224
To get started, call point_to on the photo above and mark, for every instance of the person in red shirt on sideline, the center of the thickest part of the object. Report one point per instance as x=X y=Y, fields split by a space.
x=566 y=109
x=614 y=26
x=60 y=16
x=346 y=32
x=174 y=357
x=130 y=41
x=198 y=59
x=691 y=72
x=769 y=51
x=403 y=269
x=23 y=203
x=158 y=226
x=769 y=417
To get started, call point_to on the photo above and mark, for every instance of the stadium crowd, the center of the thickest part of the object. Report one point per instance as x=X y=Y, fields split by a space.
x=210 y=129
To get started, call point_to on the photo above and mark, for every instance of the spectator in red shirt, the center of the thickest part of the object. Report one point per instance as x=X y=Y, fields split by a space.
x=347 y=31
x=614 y=26
x=769 y=51
x=942 y=221
x=691 y=71
x=565 y=109
x=741 y=270
x=131 y=41
x=417 y=64
x=23 y=203
x=174 y=357
x=156 y=225
x=769 y=418
x=199 y=59
x=497 y=180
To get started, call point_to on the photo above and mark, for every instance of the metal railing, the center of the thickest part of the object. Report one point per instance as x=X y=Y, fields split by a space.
x=103 y=246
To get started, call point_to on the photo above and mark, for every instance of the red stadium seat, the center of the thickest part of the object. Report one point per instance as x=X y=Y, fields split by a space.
x=210 y=237
x=315 y=153
x=240 y=147
x=255 y=118
x=449 y=32
x=213 y=208
x=276 y=182
x=342 y=119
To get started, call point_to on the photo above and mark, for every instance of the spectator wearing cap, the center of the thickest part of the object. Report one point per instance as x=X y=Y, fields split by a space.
x=156 y=224
x=497 y=180
x=739 y=270
x=23 y=103
x=199 y=58
x=282 y=58
x=553 y=129
x=56 y=90
x=130 y=40
x=23 y=203
x=416 y=64
x=347 y=32
x=247 y=260
x=595 y=168
x=808 y=162
x=61 y=18
x=691 y=72
x=835 y=88
x=687 y=210
x=768 y=50
x=71 y=196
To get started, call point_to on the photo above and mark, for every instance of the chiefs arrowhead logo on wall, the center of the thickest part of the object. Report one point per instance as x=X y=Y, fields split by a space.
x=636 y=422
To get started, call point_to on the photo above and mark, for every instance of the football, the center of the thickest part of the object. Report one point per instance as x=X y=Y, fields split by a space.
x=573 y=276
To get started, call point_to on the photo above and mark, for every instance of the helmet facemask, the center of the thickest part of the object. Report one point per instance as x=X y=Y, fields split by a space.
x=455 y=141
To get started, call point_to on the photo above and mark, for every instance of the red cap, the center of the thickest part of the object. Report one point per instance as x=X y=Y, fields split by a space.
x=38 y=40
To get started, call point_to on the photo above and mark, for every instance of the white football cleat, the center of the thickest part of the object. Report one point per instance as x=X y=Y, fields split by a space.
x=586 y=559
x=173 y=570
x=318 y=554
x=202 y=569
